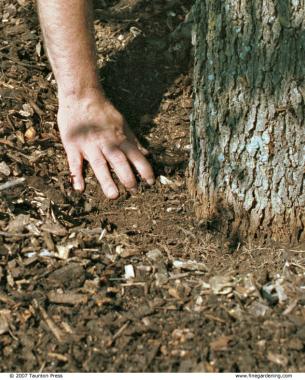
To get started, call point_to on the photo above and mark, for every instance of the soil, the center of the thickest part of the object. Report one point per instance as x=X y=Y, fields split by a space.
x=137 y=284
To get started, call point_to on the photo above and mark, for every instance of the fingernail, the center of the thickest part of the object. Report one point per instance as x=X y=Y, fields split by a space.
x=113 y=194
x=150 y=181
x=78 y=187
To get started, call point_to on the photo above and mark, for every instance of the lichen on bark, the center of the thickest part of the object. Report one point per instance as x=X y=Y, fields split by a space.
x=247 y=128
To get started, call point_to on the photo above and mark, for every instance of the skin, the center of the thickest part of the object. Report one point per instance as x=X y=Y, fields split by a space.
x=91 y=128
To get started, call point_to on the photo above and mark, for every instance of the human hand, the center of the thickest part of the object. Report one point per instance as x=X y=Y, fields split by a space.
x=91 y=128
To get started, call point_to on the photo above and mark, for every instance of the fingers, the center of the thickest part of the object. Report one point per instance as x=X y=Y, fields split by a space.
x=120 y=158
x=101 y=171
x=140 y=163
x=75 y=161
x=121 y=167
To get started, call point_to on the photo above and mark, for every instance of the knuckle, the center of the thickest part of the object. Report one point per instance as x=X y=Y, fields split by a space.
x=118 y=158
x=75 y=164
x=129 y=182
x=97 y=161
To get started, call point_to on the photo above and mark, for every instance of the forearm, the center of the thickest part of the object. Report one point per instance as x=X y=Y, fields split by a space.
x=91 y=127
x=67 y=28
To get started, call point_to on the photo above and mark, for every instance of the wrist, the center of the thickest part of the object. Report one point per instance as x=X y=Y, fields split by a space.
x=80 y=93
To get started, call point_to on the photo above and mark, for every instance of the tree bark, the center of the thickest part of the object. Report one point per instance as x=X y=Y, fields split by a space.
x=247 y=129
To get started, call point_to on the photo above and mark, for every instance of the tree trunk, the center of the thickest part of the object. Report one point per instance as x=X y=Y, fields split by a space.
x=247 y=132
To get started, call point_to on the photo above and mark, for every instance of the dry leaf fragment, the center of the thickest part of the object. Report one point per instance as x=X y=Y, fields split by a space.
x=30 y=134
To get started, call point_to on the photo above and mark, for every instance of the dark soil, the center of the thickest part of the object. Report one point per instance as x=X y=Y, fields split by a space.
x=66 y=305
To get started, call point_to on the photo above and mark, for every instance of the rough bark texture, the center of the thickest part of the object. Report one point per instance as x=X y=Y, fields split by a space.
x=248 y=150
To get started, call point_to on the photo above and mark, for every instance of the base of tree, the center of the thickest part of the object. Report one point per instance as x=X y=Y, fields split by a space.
x=236 y=225
x=247 y=126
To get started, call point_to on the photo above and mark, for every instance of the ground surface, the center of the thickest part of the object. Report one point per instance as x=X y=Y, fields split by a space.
x=65 y=302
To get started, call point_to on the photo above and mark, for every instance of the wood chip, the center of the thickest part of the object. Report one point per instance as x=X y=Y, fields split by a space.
x=278 y=359
x=221 y=343
x=4 y=321
x=4 y=169
x=59 y=357
x=12 y=183
x=54 y=228
x=69 y=298
x=129 y=271
x=18 y=224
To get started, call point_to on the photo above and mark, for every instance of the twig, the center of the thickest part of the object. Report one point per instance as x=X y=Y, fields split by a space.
x=6 y=299
x=93 y=231
x=54 y=329
x=12 y=183
x=119 y=332
x=297 y=265
x=214 y=318
x=179 y=275
x=6 y=142
x=36 y=108
x=290 y=307
x=14 y=234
